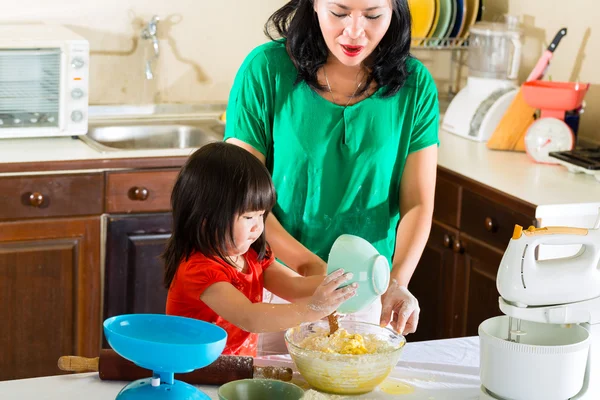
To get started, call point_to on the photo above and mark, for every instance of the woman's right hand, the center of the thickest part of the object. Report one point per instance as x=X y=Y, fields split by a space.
x=328 y=297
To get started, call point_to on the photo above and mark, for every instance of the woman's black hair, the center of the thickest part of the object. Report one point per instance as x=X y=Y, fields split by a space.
x=297 y=22
x=219 y=182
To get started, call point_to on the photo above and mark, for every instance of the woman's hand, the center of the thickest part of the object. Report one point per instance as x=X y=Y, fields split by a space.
x=400 y=307
x=327 y=298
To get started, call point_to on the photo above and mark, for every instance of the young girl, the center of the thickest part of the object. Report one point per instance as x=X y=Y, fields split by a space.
x=217 y=259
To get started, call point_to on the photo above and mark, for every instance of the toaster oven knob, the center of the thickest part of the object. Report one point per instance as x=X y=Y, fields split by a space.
x=76 y=94
x=76 y=116
x=77 y=63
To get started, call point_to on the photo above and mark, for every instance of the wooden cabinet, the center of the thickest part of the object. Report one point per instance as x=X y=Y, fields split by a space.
x=42 y=196
x=139 y=191
x=51 y=253
x=49 y=293
x=455 y=281
x=134 y=270
x=477 y=294
x=134 y=241
x=432 y=284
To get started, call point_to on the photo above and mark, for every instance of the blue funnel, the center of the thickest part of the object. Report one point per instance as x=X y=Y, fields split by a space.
x=166 y=345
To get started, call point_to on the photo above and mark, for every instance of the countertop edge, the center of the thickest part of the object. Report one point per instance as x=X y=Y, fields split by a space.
x=156 y=161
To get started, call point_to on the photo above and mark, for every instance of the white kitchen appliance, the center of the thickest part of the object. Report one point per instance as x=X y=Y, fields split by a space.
x=548 y=344
x=494 y=59
x=44 y=80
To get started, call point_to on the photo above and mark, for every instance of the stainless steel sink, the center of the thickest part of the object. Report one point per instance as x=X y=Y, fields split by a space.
x=154 y=134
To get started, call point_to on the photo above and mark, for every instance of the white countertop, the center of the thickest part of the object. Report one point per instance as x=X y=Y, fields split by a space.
x=68 y=149
x=514 y=173
x=509 y=172
x=435 y=370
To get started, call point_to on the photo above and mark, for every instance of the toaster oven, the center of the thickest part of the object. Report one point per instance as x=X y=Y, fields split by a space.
x=44 y=81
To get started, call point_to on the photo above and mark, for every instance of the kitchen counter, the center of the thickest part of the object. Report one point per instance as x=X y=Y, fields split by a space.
x=70 y=149
x=515 y=173
x=508 y=172
x=435 y=370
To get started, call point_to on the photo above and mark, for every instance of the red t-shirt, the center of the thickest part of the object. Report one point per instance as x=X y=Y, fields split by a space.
x=198 y=273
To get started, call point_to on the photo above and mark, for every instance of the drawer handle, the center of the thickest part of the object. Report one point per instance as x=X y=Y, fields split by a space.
x=36 y=199
x=447 y=241
x=458 y=247
x=138 y=193
x=491 y=225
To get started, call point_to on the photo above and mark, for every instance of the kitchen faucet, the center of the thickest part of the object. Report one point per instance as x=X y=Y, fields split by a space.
x=149 y=32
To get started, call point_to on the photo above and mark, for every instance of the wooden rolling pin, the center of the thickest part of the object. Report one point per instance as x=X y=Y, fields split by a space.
x=111 y=366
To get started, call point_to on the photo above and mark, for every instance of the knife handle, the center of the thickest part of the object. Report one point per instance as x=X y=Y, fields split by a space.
x=78 y=364
x=557 y=38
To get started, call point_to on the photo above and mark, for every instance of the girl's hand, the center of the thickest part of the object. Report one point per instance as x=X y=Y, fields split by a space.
x=327 y=297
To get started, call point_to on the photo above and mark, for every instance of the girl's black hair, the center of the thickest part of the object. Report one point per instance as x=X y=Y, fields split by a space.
x=218 y=182
x=297 y=22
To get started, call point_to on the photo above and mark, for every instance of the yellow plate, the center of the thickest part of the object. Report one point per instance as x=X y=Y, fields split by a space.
x=423 y=12
x=436 y=19
x=472 y=9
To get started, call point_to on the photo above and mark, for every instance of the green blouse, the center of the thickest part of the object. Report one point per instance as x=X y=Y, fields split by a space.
x=336 y=169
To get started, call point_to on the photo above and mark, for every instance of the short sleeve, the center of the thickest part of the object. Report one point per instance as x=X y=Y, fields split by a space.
x=197 y=277
x=249 y=99
x=427 y=117
x=268 y=259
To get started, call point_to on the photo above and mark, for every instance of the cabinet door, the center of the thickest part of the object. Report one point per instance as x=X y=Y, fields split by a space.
x=433 y=285
x=134 y=269
x=477 y=283
x=50 y=294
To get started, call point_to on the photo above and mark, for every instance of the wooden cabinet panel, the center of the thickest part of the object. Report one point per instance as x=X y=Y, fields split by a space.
x=49 y=294
x=455 y=281
x=134 y=270
x=433 y=285
x=488 y=221
x=480 y=296
x=51 y=196
x=147 y=191
x=447 y=202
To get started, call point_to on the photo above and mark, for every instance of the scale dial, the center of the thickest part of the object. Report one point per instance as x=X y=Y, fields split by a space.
x=546 y=135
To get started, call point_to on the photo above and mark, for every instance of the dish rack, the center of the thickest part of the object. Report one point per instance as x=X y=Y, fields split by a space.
x=457 y=47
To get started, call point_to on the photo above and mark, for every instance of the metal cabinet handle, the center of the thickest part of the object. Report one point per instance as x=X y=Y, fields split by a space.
x=458 y=247
x=138 y=193
x=490 y=224
x=36 y=199
x=447 y=241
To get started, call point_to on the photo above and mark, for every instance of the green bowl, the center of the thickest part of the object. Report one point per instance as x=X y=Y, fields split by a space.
x=370 y=269
x=260 y=389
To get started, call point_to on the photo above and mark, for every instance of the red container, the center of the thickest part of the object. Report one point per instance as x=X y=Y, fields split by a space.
x=554 y=98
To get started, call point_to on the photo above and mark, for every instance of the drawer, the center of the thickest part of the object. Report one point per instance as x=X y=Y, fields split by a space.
x=447 y=198
x=51 y=196
x=490 y=222
x=128 y=192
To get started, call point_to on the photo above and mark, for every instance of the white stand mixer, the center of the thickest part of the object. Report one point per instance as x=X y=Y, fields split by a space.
x=548 y=344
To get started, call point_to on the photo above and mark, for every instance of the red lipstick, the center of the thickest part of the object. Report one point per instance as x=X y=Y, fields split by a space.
x=351 y=51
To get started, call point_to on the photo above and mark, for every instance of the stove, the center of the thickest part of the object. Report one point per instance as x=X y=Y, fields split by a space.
x=580 y=160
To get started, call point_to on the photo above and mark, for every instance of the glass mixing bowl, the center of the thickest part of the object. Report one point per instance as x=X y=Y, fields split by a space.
x=344 y=373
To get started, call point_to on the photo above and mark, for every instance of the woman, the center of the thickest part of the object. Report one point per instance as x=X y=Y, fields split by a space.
x=347 y=123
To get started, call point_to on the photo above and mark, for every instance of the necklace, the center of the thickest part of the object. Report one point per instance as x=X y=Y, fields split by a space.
x=331 y=92
x=231 y=260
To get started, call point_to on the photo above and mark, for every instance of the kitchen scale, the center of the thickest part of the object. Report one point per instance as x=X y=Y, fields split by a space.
x=166 y=345
x=547 y=345
x=550 y=132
